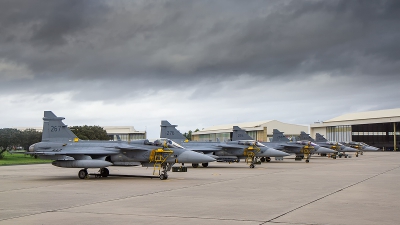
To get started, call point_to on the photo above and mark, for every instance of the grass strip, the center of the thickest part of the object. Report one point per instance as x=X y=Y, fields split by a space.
x=20 y=159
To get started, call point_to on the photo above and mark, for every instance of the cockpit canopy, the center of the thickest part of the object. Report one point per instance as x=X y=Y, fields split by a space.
x=164 y=142
x=306 y=143
x=333 y=143
x=251 y=143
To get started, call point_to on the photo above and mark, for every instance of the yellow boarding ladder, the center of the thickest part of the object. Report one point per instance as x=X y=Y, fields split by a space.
x=159 y=156
x=251 y=152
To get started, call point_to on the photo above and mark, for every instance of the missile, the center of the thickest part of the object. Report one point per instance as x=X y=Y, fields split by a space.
x=81 y=163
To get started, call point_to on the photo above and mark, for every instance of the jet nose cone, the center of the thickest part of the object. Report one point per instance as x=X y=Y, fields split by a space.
x=194 y=157
x=370 y=148
x=323 y=150
x=270 y=152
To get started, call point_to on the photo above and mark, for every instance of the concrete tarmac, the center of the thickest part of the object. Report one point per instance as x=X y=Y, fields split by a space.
x=358 y=190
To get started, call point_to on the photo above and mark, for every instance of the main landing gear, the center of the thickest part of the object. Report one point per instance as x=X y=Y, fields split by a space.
x=82 y=174
x=265 y=159
x=103 y=172
x=195 y=165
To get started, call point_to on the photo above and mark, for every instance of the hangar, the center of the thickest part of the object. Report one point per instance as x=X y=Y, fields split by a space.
x=261 y=130
x=377 y=128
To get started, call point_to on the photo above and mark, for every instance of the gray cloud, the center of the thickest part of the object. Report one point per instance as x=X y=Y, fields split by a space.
x=123 y=51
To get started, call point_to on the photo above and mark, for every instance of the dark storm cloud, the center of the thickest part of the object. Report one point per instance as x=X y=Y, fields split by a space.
x=173 y=42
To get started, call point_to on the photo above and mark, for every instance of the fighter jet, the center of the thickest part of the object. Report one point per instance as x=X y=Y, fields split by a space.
x=360 y=146
x=60 y=144
x=320 y=140
x=230 y=151
x=280 y=142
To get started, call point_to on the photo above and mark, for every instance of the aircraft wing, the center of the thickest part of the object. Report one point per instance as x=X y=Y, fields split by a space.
x=204 y=149
x=81 y=152
x=133 y=147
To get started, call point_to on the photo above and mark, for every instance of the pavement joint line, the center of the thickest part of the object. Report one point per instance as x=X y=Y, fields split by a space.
x=337 y=191
x=169 y=216
x=134 y=196
x=28 y=188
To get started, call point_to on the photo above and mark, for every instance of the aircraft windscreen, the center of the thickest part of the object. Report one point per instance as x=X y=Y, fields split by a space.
x=170 y=143
x=250 y=143
x=307 y=143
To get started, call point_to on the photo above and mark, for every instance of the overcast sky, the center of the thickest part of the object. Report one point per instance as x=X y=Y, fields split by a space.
x=196 y=63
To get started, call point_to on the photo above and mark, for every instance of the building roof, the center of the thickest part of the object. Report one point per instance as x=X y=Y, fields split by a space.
x=367 y=115
x=254 y=126
x=241 y=125
x=108 y=129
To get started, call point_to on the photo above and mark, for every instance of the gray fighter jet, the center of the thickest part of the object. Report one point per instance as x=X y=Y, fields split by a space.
x=61 y=145
x=302 y=149
x=230 y=151
x=320 y=140
x=361 y=146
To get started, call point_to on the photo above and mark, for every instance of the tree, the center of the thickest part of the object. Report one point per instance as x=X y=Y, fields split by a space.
x=9 y=138
x=90 y=132
x=29 y=137
x=188 y=135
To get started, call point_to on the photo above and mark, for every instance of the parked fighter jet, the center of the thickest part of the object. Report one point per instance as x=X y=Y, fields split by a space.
x=280 y=142
x=321 y=141
x=361 y=146
x=229 y=151
x=61 y=145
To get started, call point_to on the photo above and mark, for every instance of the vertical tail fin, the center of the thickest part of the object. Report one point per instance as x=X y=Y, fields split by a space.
x=278 y=136
x=54 y=129
x=305 y=136
x=169 y=131
x=240 y=134
x=320 y=138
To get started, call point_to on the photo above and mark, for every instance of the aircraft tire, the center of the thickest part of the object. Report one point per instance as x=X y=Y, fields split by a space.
x=163 y=177
x=268 y=159
x=262 y=159
x=307 y=161
x=195 y=165
x=82 y=174
x=252 y=165
x=104 y=172
x=204 y=164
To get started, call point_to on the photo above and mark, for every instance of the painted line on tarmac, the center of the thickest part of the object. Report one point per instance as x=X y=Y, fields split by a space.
x=342 y=189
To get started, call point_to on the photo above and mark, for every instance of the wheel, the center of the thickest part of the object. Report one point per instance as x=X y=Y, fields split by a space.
x=238 y=160
x=82 y=174
x=356 y=155
x=268 y=159
x=104 y=172
x=252 y=165
x=195 y=165
x=307 y=161
x=345 y=156
x=262 y=159
x=163 y=177
x=204 y=164
x=333 y=157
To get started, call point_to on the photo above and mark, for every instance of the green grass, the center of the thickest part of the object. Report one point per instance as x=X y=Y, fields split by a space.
x=19 y=159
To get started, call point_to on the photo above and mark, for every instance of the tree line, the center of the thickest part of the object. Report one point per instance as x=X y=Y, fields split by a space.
x=12 y=139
